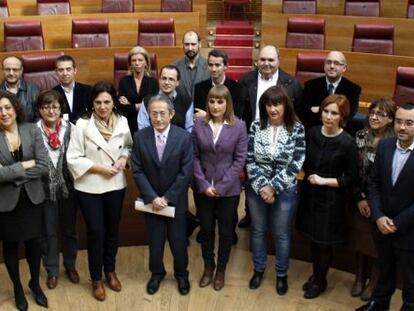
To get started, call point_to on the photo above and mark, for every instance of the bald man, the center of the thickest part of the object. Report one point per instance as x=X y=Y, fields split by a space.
x=25 y=91
x=268 y=74
x=332 y=83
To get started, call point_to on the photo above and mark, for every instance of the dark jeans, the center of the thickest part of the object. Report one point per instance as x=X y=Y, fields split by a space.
x=60 y=215
x=102 y=214
x=223 y=210
x=389 y=258
x=160 y=228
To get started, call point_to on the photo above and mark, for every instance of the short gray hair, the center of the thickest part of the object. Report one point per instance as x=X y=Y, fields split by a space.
x=161 y=98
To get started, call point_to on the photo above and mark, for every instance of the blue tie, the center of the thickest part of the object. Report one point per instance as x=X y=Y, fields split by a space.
x=330 y=88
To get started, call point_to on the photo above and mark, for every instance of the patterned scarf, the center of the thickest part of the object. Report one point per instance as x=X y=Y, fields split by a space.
x=105 y=128
x=53 y=135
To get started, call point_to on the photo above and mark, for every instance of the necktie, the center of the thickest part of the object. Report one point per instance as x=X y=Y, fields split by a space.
x=160 y=144
x=330 y=88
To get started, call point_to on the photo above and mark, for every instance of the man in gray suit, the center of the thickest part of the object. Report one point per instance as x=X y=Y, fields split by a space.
x=193 y=67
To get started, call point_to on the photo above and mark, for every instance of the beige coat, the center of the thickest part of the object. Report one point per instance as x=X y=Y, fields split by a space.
x=88 y=147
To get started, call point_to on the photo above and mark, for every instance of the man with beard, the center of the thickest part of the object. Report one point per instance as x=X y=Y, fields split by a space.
x=193 y=67
x=333 y=82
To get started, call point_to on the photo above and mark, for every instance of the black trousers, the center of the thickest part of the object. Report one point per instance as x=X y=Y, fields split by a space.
x=389 y=258
x=102 y=214
x=160 y=228
x=221 y=210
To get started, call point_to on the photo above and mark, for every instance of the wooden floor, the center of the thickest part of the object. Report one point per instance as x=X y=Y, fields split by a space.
x=132 y=269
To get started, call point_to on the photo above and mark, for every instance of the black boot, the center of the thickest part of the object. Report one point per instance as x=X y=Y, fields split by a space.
x=256 y=280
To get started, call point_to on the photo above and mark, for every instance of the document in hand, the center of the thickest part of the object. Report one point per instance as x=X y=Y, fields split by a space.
x=168 y=211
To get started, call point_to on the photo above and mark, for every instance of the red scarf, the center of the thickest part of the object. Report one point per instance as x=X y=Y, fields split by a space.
x=53 y=136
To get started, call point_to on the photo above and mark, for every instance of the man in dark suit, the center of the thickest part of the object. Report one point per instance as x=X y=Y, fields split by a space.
x=333 y=82
x=162 y=160
x=75 y=94
x=391 y=199
x=217 y=62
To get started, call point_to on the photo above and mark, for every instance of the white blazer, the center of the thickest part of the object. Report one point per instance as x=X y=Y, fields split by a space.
x=88 y=147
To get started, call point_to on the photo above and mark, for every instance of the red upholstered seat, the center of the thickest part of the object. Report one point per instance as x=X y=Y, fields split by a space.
x=121 y=66
x=373 y=38
x=309 y=66
x=4 y=9
x=90 y=33
x=156 y=32
x=410 y=9
x=404 y=85
x=176 y=5
x=305 y=32
x=23 y=35
x=362 y=7
x=53 y=7
x=118 y=6
x=40 y=69
x=299 y=6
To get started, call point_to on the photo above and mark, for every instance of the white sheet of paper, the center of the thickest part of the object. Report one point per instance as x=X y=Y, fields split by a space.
x=168 y=211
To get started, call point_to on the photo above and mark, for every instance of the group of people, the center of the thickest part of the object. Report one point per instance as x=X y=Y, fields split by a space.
x=196 y=127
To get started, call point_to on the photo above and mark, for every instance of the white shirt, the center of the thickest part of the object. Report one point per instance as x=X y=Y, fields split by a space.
x=262 y=86
x=69 y=96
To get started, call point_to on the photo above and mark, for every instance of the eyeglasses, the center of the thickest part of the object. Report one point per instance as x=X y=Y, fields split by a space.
x=407 y=123
x=334 y=62
x=53 y=108
x=161 y=114
x=378 y=114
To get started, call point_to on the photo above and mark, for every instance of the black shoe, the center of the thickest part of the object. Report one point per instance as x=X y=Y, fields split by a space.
x=371 y=306
x=308 y=283
x=245 y=222
x=281 y=285
x=235 y=238
x=256 y=280
x=20 y=300
x=38 y=294
x=153 y=285
x=183 y=286
x=314 y=290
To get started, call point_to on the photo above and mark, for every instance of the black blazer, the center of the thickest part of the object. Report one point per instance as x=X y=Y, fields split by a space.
x=81 y=100
x=127 y=88
x=249 y=81
x=394 y=201
x=316 y=90
x=171 y=176
x=237 y=91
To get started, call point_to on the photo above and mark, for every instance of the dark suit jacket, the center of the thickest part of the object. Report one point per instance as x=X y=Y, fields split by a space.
x=170 y=177
x=237 y=91
x=221 y=162
x=13 y=175
x=81 y=100
x=128 y=89
x=395 y=201
x=249 y=81
x=316 y=90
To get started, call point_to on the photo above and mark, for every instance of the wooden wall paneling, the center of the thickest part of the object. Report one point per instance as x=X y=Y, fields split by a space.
x=123 y=27
x=339 y=31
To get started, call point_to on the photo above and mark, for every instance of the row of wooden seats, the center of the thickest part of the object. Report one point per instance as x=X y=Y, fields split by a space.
x=339 y=30
x=123 y=27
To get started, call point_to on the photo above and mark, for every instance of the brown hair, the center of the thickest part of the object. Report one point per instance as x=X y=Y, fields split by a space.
x=386 y=104
x=48 y=97
x=18 y=108
x=343 y=106
x=221 y=92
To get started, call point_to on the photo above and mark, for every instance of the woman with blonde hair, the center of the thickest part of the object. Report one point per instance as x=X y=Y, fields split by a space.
x=136 y=85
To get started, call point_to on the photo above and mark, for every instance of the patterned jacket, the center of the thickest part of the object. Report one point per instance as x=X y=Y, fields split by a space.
x=277 y=168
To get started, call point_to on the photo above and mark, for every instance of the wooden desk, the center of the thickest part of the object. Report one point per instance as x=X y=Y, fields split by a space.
x=123 y=27
x=339 y=30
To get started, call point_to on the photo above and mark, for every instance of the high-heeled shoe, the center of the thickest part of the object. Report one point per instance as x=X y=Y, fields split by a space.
x=38 y=294
x=20 y=299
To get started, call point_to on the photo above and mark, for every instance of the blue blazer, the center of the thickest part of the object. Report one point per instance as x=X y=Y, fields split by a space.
x=171 y=176
x=221 y=162
x=394 y=201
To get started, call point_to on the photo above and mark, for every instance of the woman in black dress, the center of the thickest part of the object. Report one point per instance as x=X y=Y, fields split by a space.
x=22 y=164
x=331 y=169
x=136 y=85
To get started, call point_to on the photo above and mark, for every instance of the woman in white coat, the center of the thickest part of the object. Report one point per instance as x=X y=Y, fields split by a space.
x=97 y=155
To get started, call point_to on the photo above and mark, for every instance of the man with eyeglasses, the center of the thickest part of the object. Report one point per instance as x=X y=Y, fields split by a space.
x=25 y=91
x=168 y=82
x=258 y=81
x=391 y=199
x=333 y=82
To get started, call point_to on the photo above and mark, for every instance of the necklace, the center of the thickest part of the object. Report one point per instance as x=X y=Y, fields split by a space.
x=12 y=140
